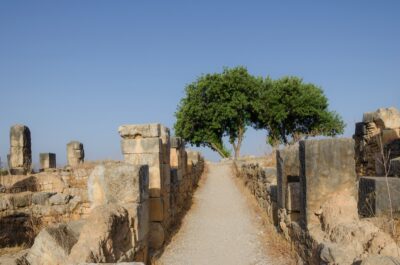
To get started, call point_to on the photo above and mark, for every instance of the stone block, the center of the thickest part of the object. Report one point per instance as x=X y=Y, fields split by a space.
x=141 y=146
x=360 y=129
x=287 y=167
x=157 y=235
x=156 y=209
x=47 y=160
x=176 y=142
x=139 y=214
x=174 y=159
x=293 y=197
x=144 y=159
x=118 y=183
x=273 y=192
x=193 y=157
x=387 y=118
x=395 y=167
x=374 y=197
x=327 y=168
x=155 y=181
x=136 y=131
x=389 y=135
x=75 y=153
x=176 y=176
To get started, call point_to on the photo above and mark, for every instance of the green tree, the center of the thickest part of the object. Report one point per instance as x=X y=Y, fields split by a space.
x=290 y=110
x=218 y=105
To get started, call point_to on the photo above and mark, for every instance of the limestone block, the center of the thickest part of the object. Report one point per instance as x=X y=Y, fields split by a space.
x=288 y=167
x=373 y=196
x=156 y=209
x=360 y=129
x=59 y=199
x=75 y=153
x=118 y=183
x=395 y=167
x=327 y=167
x=293 y=197
x=156 y=184
x=387 y=118
x=157 y=235
x=106 y=237
x=41 y=198
x=166 y=176
x=54 y=243
x=176 y=176
x=143 y=159
x=193 y=157
x=174 y=157
x=136 y=131
x=139 y=219
x=47 y=160
x=389 y=135
x=141 y=146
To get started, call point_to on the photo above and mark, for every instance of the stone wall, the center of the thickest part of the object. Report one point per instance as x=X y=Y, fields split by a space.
x=314 y=204
x=143 y=197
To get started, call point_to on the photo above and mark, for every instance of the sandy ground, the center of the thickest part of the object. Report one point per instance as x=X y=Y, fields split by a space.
x=220 y=228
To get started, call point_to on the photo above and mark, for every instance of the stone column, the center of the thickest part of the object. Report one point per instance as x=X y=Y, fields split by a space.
x=47 y=161
x=20 y=160
x=75 y=153
x=149 y=144
x=177 y=161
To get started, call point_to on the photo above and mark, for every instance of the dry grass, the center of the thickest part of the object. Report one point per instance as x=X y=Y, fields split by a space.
x=277 y=247
x=270 y=159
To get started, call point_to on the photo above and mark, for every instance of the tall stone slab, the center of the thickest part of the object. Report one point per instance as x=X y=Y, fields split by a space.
x=149 y=144
x=75 y=153
x=327 y=168
x=20 y=159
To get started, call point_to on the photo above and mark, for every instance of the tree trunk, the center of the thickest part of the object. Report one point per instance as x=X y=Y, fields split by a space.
x=238 y=145
x=218 y=150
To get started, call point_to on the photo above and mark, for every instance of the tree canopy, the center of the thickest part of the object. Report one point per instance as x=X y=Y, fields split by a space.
x=224 y=104
x=218 y=105
x=290 y=109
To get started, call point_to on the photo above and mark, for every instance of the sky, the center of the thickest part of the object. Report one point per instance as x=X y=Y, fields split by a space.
x=76 y=70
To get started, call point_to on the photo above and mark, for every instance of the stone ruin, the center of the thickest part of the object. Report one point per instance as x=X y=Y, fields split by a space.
x=316 y=196
x=20 y=158
x=114 y=211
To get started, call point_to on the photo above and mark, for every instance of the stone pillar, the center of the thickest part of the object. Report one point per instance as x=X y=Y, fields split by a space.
x=149 y=144
x=75 y=153
x=47 y=161
x=327 y=169
x=20 y=160
x=177 y=162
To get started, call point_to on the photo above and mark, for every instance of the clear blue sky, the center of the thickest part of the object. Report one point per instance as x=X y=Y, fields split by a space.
x=79 y=69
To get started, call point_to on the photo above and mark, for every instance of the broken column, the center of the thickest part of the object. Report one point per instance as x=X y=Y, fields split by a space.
x=148 y=144
x=20 y=159
x=47 y=161
x=75 y=153
x=327 y=169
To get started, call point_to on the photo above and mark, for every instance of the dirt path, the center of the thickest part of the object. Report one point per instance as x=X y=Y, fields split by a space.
x=219 y=228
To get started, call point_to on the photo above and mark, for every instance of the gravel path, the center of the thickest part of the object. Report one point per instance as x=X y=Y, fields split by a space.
x=219 y=228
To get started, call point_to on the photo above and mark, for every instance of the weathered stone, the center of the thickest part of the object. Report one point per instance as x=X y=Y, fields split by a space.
x=157 y=235
x=288 y=167
x=389 y=135
x=75 y=153
x=20 y=158
x=141 y=146
x=41 y=198
x=106 y=237
x=374 y=198
x=59 y=199
x=387 y=118
x=395 y=167
x=54 y=244
x=327 y=167
x=143 y=159
x=193 y=157
x=293 y=197
x=136 y=131
x=118 y=183
x=156 y=209
x=47 y=160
